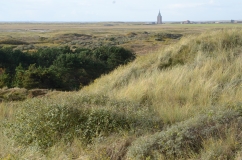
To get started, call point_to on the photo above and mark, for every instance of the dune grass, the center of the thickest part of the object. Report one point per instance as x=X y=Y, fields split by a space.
x=181 y=102
x=205 y=73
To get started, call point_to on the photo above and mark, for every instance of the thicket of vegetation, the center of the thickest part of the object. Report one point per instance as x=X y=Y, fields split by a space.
x=59 y=68
x=183 y=102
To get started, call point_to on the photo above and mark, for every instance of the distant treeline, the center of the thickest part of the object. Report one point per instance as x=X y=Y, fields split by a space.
x=59 y=68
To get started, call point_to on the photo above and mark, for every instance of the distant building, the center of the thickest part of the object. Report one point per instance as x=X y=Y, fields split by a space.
x=235 y=21
x=186 y=22
x=159 y=18
x=150 y=23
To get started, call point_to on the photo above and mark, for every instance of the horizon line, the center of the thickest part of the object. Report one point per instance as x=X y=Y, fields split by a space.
x=108 y=21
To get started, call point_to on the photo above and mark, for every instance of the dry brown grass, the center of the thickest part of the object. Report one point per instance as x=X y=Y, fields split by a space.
x=206 y=79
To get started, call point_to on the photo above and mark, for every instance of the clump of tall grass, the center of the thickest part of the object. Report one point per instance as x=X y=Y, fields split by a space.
x=224 y=147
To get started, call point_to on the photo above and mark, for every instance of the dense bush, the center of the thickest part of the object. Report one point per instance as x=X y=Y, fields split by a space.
x=113 y=56
x=10 y=59
x=59 y=68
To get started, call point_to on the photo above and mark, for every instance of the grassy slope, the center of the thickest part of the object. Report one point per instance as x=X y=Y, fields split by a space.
x=194 y=86
x=191 y=76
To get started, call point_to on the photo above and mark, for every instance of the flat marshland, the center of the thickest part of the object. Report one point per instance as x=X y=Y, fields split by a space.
x=181 y=98
x=138 y=37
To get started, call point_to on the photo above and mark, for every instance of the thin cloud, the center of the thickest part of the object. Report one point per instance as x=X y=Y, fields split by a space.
x=190 y=5
x=211 y=2
x=184 y=6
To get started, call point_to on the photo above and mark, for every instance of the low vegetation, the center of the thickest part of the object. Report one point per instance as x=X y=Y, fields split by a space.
x=186 y=138
x=19 y=94
x=182 y=102
x=46 y=124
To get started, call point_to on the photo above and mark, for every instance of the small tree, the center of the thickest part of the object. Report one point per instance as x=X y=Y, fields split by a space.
x=4 y=78
x=40 y=78
x=19 y=76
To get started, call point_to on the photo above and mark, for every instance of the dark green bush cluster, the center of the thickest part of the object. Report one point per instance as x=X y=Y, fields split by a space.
x=184 y=138
x=59 y=68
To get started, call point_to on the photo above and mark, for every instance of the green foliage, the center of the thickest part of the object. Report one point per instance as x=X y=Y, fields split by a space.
x=140 y=117
x=4 y=79
x=87 y=118
x=102 y=123
x=59 y=68
x=36 y=78
x=19 y=76
x=12 y=41
x=46 y=125
x=14 y=58
x=45 y=57
x=76 y=69
x=114 y=56
x=3 y=58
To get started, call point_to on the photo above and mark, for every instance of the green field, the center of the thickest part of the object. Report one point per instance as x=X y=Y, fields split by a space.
x=181 y=98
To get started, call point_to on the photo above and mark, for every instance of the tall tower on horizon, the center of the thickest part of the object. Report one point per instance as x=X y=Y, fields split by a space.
x=159 y=18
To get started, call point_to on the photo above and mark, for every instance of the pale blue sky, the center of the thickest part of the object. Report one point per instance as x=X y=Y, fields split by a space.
x=119 y=10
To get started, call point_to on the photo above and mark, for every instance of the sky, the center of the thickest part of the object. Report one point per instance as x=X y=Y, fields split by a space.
x=119 y=10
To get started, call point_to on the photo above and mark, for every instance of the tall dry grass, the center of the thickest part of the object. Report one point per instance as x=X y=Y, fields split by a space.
x=184 y=79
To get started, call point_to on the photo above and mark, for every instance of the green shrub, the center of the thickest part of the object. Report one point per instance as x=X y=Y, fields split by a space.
x=180 y=140
x=45 y=125
x=37 y=77
x=4 y=79
x=12 y=41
